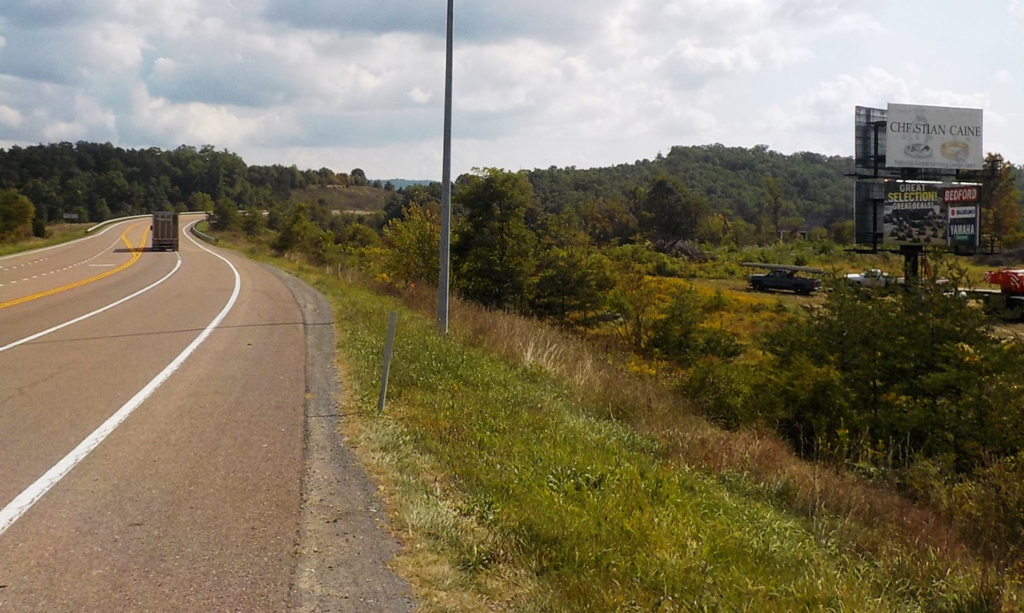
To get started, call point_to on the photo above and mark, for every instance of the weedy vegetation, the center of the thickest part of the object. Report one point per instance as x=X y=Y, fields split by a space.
x=527 y=472
x=55 y=234
x=616 y=423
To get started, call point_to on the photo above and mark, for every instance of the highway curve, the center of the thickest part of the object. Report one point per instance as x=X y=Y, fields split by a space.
x=151 y=429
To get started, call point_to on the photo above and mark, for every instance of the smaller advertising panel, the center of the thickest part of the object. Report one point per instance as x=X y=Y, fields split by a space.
x=934 y=137
x=963 y=225
x=956 y=195
x=913 y=214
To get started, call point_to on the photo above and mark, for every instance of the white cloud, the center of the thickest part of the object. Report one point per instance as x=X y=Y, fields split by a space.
x=164 y=67
x=9 y=117
x=86 y=116
x=158 y=119
x=696 y=58
x=111 y=48
x=508 y=76
x=172 y=19
x=820 y=116
x=831 y=103
x=419 y=96
x=599 y=82
x=49 y=14
x=945 y=97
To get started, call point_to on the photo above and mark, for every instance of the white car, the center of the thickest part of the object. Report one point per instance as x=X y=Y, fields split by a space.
x=873 y=277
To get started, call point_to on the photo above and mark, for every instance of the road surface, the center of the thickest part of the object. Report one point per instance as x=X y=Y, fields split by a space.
x=152 y=425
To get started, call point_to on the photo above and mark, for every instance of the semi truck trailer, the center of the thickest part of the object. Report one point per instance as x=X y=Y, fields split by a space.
x=165 y=231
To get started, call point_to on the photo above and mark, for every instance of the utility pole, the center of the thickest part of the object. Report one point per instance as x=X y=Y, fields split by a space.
x=446 y=185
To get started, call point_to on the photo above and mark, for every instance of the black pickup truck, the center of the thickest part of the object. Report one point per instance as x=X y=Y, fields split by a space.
x=784 y=279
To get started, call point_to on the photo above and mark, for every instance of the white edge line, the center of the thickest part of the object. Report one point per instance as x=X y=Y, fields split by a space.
x=25 y=500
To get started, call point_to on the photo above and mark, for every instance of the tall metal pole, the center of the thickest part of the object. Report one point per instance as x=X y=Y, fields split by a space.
x=446 y=185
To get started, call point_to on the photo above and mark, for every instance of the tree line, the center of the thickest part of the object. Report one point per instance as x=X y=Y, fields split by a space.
x=95 y=182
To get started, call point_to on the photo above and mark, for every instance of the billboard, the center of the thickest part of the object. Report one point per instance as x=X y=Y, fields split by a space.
x=913 y=214
x=929 y=214
x=936 y=137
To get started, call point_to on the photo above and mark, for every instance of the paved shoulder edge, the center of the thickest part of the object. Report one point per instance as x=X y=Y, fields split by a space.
x=343 y=552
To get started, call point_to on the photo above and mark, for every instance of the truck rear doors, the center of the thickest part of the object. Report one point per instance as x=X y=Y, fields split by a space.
x=165 y=231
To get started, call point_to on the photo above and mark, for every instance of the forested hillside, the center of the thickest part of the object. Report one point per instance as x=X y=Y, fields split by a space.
x=710 y=194
x=814 y=189
x=99 y=181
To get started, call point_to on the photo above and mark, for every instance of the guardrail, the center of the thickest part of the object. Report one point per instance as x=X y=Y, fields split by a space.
x=146 y=216
x=203 y=237
x=110 y=221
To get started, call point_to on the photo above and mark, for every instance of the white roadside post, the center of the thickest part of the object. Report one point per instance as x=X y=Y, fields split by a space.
x=389 y=346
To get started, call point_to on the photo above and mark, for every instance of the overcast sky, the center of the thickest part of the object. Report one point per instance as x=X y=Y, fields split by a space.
x=360 y=83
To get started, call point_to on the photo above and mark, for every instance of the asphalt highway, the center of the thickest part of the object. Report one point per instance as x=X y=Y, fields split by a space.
x=151 y=428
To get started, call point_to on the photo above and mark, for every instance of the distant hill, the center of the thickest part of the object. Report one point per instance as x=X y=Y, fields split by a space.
x=352 y=198
x=403 y=183
x=732 y=179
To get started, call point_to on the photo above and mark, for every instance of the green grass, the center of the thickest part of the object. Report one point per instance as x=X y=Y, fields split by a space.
x=510 y=495
x=60 y=233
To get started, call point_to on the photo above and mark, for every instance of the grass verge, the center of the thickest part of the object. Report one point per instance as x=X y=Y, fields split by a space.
x=59 y=233
x=513 y=491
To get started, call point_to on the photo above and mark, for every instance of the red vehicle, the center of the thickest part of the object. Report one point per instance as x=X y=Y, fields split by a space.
x=1009 y=281
x=1011 y=287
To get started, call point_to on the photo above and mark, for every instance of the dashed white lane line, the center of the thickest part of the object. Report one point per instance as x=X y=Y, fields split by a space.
x=113 y=224
x=96 y=312
x=53 y=272
x=23 y=265
x=25 y=500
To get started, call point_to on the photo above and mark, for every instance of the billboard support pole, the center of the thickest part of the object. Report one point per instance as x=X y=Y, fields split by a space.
x=874 y=223
x=911 y=261
x=875 y=126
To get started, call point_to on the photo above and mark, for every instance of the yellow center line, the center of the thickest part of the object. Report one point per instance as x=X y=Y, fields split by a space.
x=136 y=254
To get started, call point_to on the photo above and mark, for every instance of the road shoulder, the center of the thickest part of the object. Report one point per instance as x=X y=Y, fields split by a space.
x=343 y=552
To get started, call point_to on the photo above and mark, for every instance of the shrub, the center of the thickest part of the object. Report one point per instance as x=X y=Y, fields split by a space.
x=724 y=391
x=989 y=510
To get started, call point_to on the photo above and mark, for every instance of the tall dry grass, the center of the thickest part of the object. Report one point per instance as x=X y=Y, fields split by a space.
x=869 y=517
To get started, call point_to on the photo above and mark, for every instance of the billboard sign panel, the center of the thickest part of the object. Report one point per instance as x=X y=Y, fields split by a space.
x=934 y=137
x=963 y=224
x=913 y=214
